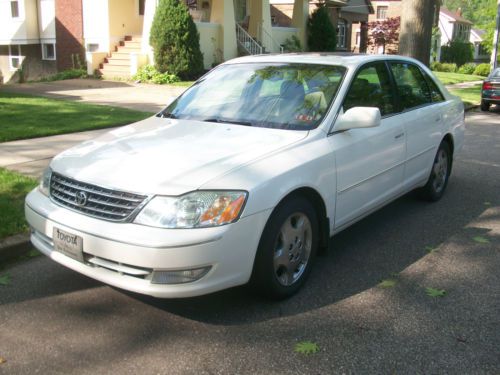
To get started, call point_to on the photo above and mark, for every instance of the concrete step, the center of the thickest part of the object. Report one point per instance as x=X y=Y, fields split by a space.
x=117 y=61
x=116 y=68
x=126 y=49
x=131 y=44
x=120 y=56
x=113 y=74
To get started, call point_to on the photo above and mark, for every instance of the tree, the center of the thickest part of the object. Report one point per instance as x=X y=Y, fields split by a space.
x=416 y=28
x=176 y=41
x=384 y=33
x=322 y=36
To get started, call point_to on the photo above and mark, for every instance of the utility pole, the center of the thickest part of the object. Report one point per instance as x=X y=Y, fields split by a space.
x=495 y=40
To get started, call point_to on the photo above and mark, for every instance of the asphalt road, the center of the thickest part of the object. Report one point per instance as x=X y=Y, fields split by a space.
x=53 y=320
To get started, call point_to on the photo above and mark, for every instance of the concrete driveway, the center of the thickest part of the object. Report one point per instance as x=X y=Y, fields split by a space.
x=53 y=320
x=142 y=97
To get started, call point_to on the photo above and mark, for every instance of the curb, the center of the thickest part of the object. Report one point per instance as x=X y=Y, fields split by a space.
x=14 y=246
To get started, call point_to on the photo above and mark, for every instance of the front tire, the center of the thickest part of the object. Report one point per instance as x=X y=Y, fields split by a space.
x=440 y=173
x=485 y=106
x=286 y=249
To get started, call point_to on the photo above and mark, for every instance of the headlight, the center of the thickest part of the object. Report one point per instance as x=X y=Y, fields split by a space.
x=194 y=210
x=44 y=186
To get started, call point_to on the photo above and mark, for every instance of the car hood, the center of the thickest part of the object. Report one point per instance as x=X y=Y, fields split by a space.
x=166 y=156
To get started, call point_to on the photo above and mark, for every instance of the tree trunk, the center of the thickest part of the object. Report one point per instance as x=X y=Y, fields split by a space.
x=417 y=19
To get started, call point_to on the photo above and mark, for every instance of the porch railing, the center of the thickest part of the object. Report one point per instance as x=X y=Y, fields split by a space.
x=246 y=41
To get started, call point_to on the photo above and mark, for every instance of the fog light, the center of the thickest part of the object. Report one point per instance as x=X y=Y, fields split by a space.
x=179 y=276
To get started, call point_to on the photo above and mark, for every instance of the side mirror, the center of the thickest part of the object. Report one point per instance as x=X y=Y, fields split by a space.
x=358 y=117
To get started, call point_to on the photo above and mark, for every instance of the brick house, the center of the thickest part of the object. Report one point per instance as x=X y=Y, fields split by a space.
x=347 y=15
x=41 y=36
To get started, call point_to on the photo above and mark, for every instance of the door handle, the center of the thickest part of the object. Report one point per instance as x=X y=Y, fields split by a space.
x=397 y=136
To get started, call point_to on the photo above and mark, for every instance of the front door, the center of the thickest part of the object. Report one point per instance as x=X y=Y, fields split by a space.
x=369 y=162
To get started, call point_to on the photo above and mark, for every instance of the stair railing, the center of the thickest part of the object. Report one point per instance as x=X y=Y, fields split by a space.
x=246 y=41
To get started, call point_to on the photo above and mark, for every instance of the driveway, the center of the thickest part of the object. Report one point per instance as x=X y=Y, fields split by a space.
x=142 y=97
x=53 y=320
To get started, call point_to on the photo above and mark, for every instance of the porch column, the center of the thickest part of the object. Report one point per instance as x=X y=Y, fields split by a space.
x=149 y=13
x=260 y=19
x=299 y=20
x=222 y=12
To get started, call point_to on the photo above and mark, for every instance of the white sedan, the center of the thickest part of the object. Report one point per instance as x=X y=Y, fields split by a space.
x=247 y=175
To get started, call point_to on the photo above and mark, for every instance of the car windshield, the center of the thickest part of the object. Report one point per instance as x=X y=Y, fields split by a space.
x=496 y=73
x=283 y=96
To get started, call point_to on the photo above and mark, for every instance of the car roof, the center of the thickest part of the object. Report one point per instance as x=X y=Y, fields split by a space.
x=333 y=58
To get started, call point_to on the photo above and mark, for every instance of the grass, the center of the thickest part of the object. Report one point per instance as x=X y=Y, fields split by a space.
x=13 y=189
x=182 y=83
x=24 y=116
x=451 y=78
x=469 y=95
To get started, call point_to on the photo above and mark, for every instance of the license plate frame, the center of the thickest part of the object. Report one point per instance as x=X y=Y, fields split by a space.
x=68 y=244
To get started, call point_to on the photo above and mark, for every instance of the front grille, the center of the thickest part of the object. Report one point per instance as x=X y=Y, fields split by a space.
x=99 y=202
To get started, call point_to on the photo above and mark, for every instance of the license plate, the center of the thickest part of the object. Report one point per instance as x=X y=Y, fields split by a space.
x=68 y=244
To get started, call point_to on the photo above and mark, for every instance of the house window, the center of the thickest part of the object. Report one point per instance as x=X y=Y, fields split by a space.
x=341 y=33
x=92 y=47
x=15 y=58
x=48 y=51
x=14 y=9
x=142 y=5
x=382 y=12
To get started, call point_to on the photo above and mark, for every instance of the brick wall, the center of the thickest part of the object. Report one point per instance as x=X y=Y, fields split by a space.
x=69 y=33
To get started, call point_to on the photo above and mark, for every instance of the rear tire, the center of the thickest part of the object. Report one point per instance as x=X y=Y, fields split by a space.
x=485 y=106
x=440 y=172
x=286 y=249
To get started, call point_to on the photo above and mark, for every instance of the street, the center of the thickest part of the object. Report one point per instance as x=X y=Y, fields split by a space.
x=54 y=320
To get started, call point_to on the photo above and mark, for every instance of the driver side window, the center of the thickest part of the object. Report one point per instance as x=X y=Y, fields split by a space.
x=371 y=88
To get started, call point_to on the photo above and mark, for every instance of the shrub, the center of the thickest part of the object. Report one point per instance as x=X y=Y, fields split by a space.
x=149 y=74
x=66 y=74
x=482 y=70
x=321 y=33
x=457 y=52
x=468 y=68
x=444 y=67
x=176 y=41
x=292 y=44
x=436 y=66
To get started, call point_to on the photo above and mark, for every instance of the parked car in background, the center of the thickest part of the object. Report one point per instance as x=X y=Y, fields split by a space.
x=247 y=175
x=490 y=91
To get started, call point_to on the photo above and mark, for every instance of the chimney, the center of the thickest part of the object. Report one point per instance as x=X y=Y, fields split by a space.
x=459 y=12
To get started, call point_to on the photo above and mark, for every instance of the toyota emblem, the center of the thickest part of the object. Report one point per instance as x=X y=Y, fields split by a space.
x=81 y=198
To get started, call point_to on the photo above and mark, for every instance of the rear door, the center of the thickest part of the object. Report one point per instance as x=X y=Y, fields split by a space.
x=422 y=105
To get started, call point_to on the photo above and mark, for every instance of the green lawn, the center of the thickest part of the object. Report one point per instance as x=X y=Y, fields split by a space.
x=451 y=78
x=469 y=95
x=23 y=116
x=13 y=189
x=182 y=83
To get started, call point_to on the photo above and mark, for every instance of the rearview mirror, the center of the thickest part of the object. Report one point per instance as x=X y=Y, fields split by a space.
x=358 y=117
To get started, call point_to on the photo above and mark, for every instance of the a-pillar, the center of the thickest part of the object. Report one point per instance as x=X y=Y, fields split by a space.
x=299 y=20
x=260 y=23
x=222 y=12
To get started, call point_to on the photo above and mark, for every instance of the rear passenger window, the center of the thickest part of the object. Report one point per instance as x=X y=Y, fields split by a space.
x=412 y=86
x=436 y=94
x=371 y=88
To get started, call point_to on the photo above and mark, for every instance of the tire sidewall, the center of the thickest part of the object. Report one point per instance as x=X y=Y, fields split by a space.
x=263 y=275
x=432 y=194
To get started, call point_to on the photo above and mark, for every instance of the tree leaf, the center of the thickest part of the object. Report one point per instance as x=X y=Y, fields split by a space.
x=432 y=292
x=33 y=253
x=481 y=239
x=306 y=347
x=387 y=283
x=430 y=249
x=487 y=203
x=5 y=279
x=2 y=360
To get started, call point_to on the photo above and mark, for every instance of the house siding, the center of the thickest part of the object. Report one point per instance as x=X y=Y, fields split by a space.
x=33 y=65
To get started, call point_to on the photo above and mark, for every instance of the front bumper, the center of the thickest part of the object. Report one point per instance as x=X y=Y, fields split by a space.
x=121 y=248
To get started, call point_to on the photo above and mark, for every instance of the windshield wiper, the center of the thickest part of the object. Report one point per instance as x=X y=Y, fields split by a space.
x=224 y=121
x=165 y=114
